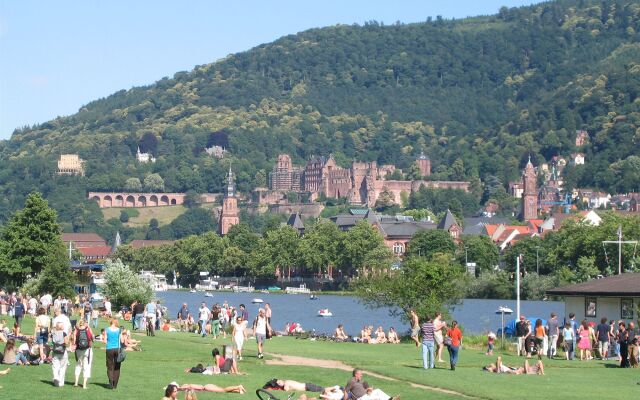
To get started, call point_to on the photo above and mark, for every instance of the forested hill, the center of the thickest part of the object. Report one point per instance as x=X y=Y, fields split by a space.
x=477 y=95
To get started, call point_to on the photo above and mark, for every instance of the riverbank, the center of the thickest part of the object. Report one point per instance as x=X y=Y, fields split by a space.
x=394 y=368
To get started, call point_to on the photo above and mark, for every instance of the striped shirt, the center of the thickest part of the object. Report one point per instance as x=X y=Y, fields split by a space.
x=427 y=332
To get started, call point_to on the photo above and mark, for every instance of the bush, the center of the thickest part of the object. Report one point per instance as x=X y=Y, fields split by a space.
x=124 y=217
x=123 y=285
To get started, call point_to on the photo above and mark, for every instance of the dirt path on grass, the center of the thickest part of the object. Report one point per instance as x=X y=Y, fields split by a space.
x=281 y=359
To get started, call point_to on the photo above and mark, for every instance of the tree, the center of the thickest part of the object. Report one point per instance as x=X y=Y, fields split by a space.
x=358 y=243
x=133 y=185
x=30 y=241
x=154 y=183
x=280 y=247
x=427 y=286
x=124 y=216
x=481 y=250
x=319 y=247
x=191 y=199
x=57 y=278
x=193 y=222
x=426 y=243
x=123 y=286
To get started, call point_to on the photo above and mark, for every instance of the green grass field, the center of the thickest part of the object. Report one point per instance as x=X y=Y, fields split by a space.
x=146 y=373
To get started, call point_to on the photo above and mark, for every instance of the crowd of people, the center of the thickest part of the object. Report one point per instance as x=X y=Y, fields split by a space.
x=436 y=334
x=606 y=340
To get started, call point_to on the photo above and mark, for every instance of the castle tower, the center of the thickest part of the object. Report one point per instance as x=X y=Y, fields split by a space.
x=229 y=215
x=424 y=163
x=530 y=193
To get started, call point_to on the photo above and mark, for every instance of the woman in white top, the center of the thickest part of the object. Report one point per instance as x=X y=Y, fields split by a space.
x=239 y=335
x=43 y=324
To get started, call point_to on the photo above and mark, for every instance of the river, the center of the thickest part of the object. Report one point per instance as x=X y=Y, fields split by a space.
x=475 y=315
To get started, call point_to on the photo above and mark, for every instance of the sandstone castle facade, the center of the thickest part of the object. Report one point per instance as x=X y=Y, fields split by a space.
x=361 y=183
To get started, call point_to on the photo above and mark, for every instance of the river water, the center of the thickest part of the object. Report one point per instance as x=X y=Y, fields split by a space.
x=475 y=315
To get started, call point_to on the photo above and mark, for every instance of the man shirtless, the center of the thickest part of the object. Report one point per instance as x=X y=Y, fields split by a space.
x=339 y=334
x=415 y=327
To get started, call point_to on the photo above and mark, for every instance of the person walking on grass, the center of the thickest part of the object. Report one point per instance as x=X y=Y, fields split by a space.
x=60 y=357
x=455 y=336
x=260 y=327
x=603 y=336
x=114 y=339
x=553 y=331
x=83 y=340
x=428 y=350
x=415 y=327
x=568 y=337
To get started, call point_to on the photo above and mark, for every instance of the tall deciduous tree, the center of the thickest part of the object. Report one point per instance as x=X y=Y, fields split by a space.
x=154 y=183
x=31 y=241
x=429 y=242
x=426 y=286
x=319 y=246
x=358 y=243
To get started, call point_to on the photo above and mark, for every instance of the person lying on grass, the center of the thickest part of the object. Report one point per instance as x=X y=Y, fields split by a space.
x=500 y=368
x=220 y=365
x=171 y=391
x=288 y=385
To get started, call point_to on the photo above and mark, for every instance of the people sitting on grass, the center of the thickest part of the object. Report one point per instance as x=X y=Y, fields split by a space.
x=339 y=335
x=221 y=365
x=358 y=389
x=130 y=343
x=392 y=336
x=381 y=337
x=526 y=369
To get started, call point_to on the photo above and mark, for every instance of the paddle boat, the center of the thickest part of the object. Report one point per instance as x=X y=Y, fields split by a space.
x=313 y=297
x=207 y=294
x=325 y=313
x=257 y=301
x=192 y=291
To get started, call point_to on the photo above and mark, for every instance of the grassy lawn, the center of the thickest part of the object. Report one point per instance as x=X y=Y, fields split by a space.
x=144 y=374
x=164 y=215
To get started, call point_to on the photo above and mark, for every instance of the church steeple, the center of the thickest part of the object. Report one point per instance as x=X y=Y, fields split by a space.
x=530 y=193
x=231 y=185
x=230 y=215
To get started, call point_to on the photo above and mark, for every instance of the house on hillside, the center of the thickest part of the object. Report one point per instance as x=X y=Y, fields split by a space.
x=449 y=224
x=615 y=297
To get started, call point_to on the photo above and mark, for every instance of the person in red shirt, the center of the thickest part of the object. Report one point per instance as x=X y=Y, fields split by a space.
x=455 y=336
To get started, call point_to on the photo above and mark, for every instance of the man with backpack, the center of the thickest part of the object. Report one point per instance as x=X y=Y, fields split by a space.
x=83 y=341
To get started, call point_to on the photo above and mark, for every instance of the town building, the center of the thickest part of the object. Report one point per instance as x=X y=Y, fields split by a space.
x=449 y=224
x=577 y=158
x=144 y=158
x=295 y=221
x=70 y=164
x=91 y=246
x=581 y=138
x=216 y=151
x=614 y=297
x=230 y=215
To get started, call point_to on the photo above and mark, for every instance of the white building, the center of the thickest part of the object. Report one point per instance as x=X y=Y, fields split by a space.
x=615 y=298
x=577 y=158
x=144 y=157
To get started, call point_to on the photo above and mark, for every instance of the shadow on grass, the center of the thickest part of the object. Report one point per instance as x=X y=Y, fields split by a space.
x=102 y=385
x=47 y=381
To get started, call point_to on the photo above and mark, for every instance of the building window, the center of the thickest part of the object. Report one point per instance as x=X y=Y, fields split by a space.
x=398 y=248
x=590 y=307
x=626 y=308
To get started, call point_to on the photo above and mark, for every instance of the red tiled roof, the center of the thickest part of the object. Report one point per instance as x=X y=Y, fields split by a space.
x=85 y=239
x=149 y=243
x=98 y=251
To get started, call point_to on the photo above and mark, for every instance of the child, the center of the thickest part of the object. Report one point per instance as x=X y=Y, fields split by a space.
x=568 y=336
x=491 y=339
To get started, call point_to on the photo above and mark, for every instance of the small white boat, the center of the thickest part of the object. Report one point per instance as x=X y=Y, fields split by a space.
x=192 y=291
x=313 y=297
x=207 y=294
x=325 y=313
x=257 y=301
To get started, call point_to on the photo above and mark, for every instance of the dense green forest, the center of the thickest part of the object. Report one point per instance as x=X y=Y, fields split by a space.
x=477 y=95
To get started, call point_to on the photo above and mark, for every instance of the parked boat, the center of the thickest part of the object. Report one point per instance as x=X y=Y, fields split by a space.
x=302 y=289
x=207 y=294
x=313 y=297
x=257 y=301
x=325 y=313
x=192 y=291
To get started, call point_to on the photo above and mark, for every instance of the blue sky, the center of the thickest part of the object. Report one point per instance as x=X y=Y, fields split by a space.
x=56 y=56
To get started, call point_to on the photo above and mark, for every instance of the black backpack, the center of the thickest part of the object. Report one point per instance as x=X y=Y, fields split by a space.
x=82 y=339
